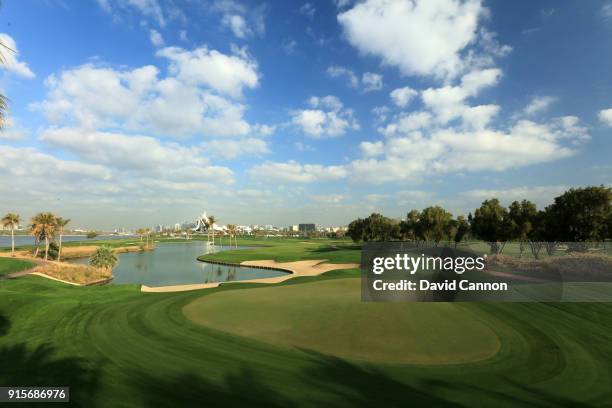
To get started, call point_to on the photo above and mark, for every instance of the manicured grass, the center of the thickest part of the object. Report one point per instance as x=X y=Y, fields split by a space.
x=116 y=346
x=10 y=265
x=286 y=250
x=328 y=316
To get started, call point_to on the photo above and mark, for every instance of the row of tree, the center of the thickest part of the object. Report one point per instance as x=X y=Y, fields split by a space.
x=578 y=215
x=44 y=226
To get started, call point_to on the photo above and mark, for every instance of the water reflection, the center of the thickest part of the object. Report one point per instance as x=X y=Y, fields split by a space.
x=176 y=264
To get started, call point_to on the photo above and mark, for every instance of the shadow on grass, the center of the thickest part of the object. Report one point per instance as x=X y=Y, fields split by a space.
x=354 y=385
x=189 y=389
x=334 y=248
x=39 y=367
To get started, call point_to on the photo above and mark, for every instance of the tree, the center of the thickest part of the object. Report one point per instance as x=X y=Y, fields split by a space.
x=490 y=224
x=522 y=218
x=581 y=214
x=463 y=227
x=104 y=257
x=232 y=231
x=433 y=223
x=44 y=225
x=409 y=227
x=211 y=223
x=11 y=220
x=374 y=228
x=60 y=223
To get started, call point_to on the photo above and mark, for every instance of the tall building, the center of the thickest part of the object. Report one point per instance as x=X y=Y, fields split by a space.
x=304 y=228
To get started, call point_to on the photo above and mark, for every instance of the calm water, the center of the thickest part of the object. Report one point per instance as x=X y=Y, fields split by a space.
x=5 y=241
x=176 y=264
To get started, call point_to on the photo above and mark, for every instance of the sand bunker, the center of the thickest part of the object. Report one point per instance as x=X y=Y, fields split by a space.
x=298 y=268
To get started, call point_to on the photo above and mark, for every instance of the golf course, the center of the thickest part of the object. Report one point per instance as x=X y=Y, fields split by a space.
x=308 y=341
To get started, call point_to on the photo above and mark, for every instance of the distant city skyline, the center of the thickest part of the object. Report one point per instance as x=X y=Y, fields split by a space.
x=127 y=113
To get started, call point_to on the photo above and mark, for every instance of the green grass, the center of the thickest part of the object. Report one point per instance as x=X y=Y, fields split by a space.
x=286 y=250
x=116 y=346
x=9 y=265
x=327 y=316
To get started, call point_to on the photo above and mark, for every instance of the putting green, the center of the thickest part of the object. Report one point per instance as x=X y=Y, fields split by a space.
x=329 y=317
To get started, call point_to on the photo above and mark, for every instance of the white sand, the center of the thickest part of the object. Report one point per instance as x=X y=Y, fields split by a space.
x=294 y=269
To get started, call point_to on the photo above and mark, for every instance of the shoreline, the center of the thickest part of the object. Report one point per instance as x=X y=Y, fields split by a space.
x=292 y=269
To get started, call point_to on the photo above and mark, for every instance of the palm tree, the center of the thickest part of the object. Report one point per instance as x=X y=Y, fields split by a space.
x=60 y=223
x=232 y=230
x=11 y=220
x=3 y=99
x=211 y=222
x=43 y=225
x=104 y=257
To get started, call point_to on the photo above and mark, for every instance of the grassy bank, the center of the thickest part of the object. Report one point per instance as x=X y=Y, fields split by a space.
x=10 y=265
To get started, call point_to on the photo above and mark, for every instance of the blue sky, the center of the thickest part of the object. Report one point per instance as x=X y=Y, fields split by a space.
x=139 y=112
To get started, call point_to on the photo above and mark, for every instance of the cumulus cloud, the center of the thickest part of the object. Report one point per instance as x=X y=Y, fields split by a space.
x=11 y=56
x=156 y=38
x=541 y=195
x=294 y=172
x=605 y=116
x=328 y=118
x=336 y=71
x=419 y=37
x=539 y=104
x=13 y=131
x=226 y=74
x=181 y=104
x=416 y=155
x=402 y=96
x=371 y=81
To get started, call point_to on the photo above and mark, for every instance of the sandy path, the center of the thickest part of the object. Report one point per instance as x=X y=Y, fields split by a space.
x=293 y=269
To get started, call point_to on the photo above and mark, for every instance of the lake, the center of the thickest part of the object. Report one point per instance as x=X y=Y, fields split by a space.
x=177 y=264
x=5 y=240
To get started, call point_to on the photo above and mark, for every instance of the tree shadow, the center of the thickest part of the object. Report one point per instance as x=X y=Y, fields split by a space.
x=243 y=389
x=5 y=325
x=355 y=385
x=335 y=248
x=20 y=366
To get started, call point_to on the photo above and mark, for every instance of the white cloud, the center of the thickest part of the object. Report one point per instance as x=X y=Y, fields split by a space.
x=541 y=195
x=156 y=38
x=227 y=74
x=289 y=46
x=138 y=100
x=329 y=119
x=237 y=24
x=606 y=10
x=447 y=150
x=420 y=37
x=539 y=104
x=230 y=148
x=371 y=81
x=13 y=131
x=336 y=71
x=329 y=198
x=11 y=56
x=271 y=172
x=371 y=149
x=244 y=22
x=605 y=116
x=28 y=163
x=149 y=8
x=402 y=96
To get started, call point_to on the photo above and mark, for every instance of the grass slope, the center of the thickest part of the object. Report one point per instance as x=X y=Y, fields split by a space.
x=10 y=265
x=116 y=346
x=328 y=316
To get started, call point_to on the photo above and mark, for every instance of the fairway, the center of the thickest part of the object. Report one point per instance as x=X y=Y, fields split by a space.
x=329 y=317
